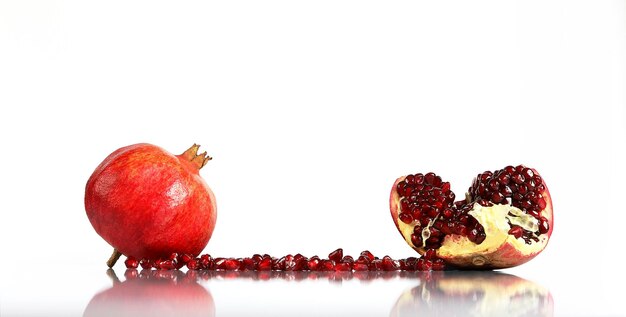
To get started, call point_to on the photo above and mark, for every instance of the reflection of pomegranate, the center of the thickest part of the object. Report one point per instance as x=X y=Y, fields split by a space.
x=505 y=219
x=483 y=293
x=152 y=293
x=148 y=203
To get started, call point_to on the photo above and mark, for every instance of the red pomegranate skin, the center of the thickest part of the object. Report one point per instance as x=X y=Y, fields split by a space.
x=148 y=203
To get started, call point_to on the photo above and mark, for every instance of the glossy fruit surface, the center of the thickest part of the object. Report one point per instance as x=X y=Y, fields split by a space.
x=148 y=203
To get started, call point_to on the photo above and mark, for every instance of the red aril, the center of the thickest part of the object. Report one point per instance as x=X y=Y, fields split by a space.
x=148 y=203
x=336 y=261
x=505 y=219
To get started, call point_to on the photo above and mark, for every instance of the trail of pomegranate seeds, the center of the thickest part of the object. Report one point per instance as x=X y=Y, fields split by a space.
x=180 y=276
x=335 y=261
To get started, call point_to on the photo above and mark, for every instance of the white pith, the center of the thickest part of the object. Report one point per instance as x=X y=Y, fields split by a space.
x=495 y=221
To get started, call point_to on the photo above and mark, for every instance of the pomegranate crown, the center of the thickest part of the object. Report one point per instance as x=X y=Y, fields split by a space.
x=199 y=160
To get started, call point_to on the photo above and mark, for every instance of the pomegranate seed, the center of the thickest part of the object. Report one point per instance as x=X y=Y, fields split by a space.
x=407 y=191
x=206 y=262
x=541 y=203
x=419 y=178
x=461 y=230
x=347 y=259
x=410 y=264
x=265 y=264
x=438 y=265
x=248 y=264
x=544 y=227
x=506 y=191
x=406 y=218
x=360 y=266
x=516 y=231
x=430 y=254
x=430 y=178
x=327 y=265
x=493 y=184
x=518 y=178
x=504 y=178
x=450 y=197
x=481 y=189
x=368 y=255
x=417 y=240
x=522 y=189
x=232 y=264
x=432 y=212
x=410 y=179
x=336 y=255
x=300 y=262
x=167 y=265
x=424 y=265
x=404 y=205
x=480 y=237
x=314 y=263
x=445 y=187
x=131 y=263
x=278 y=264
x=185 y=258
x=388 y=264
x=290 y=263
x=400 y=187
x=533 y=213
x=343 y=266
x=376 y=265
x=497 y=197
x=528 y=173
x=218 y=263
x=472 y=235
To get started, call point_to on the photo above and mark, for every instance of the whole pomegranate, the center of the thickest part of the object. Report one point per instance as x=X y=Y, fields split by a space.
x=148 y=203
x=505 y=219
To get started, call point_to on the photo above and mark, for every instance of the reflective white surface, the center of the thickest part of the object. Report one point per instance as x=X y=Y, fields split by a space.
x=123 y=292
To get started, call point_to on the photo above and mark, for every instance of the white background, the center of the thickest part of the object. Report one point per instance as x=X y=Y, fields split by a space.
x=311 y=109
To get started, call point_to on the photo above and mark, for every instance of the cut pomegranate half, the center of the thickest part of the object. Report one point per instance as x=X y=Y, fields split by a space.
x=505 y=219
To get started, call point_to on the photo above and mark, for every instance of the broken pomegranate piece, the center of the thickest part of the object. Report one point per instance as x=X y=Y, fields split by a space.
x=505 y=219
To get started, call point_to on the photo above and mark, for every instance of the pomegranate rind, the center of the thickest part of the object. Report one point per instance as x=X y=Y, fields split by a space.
x=459 y=251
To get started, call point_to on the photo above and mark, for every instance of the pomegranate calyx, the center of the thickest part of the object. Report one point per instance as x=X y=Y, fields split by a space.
x=198 y=160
